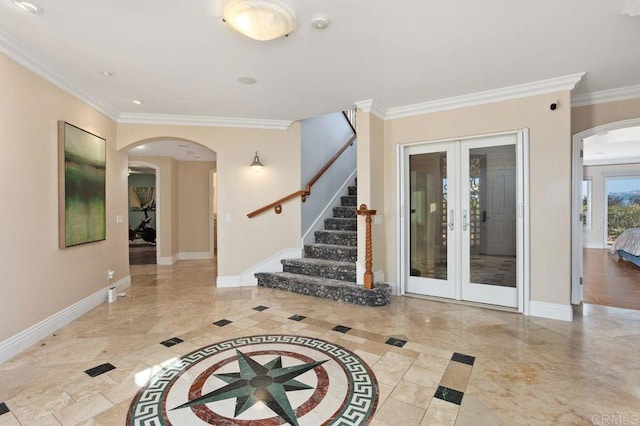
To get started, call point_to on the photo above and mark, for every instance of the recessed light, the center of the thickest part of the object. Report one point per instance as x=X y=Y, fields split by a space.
x=106 y=73
x=247 y=80
x=28 y=7
x=137 y=101
x=140 y=147
x=319 y=22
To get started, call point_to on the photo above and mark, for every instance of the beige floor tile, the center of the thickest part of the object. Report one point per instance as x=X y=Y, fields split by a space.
x=82 y=410
x=427 y=377
x=413 y=394
x=8 y=419
x=456 y=376
x=440 y=413
x=395 y=412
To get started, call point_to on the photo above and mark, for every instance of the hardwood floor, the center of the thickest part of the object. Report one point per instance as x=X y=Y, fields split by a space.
x=610 y=282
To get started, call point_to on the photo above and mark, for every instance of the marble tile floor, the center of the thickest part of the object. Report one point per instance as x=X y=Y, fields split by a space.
x=434 y=363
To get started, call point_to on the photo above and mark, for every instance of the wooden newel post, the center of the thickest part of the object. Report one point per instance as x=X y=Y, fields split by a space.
x=368 y=275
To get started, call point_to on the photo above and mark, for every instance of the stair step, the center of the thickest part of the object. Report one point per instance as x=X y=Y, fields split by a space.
x=353 y=190
x=331 y=269
x=348 y=211
x=349 y=200
x=331 y=252
x=338 y=238
x=326 y=288
x=341 y=224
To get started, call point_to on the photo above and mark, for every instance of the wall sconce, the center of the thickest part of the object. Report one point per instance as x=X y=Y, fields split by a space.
x=256 y=165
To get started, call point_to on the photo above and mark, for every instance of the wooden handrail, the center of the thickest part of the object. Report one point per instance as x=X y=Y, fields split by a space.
x=329 y=163
x=307 y=189
x=276 y=204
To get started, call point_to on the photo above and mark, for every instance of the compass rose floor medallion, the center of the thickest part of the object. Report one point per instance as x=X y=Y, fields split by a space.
x=260 y=380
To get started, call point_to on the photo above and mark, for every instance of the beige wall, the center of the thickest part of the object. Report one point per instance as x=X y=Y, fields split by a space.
x=550 y=179
x=194 y=187
x=586 y=117
x=242 y=242
x=38 y=278
x=371 y=162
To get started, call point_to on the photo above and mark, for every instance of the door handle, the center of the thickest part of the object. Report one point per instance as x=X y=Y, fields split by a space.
x=451 y=220
x=465 y=220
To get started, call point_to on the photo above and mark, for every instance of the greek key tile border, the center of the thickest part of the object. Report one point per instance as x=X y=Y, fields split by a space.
x=362 y=399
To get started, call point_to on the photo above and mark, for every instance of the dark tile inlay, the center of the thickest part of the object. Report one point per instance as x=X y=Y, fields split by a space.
x=341 y=328
x=172 y=342
x=449 y=395
x=260 y=308
x=297 y=317
x=465 y=359
x=396 y=342
x=3 y=408
x=101 y=369
x=222 y=322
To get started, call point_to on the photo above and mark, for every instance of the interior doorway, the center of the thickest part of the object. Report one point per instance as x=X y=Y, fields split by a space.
x=143 y=189
x=606 y=203
x=463 y=231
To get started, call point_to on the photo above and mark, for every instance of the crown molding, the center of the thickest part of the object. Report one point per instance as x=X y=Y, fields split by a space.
x=604 y=96
x=369 y=106
x=19 y=53
x=541 y=87
x=203 y=121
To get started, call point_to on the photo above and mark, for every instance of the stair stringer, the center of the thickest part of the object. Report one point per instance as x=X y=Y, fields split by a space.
x=318 y=224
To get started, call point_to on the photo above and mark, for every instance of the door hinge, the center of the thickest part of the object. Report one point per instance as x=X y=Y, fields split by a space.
x=581 y=153
x=580 y=280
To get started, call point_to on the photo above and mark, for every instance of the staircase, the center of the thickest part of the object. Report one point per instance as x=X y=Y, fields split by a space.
x=328 y=269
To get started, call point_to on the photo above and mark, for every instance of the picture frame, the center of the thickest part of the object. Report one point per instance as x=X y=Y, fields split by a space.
x=81 y=186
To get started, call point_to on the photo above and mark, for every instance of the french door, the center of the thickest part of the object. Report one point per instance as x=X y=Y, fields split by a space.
x=464 y=223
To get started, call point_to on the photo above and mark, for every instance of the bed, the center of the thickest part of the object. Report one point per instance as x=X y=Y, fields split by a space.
x=627 y=245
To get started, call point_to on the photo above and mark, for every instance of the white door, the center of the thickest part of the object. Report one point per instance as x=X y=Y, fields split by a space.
x=488 y=236
x=431 y=219
x=462 y=224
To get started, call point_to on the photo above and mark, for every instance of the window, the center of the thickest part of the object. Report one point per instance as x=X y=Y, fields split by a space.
x=623 y=205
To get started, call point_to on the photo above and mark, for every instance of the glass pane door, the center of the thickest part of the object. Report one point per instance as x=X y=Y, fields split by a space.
x=431 y=220
x=489 y=220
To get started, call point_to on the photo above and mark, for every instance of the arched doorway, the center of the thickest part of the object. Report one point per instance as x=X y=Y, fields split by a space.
x=593 y=282
x=184 y=202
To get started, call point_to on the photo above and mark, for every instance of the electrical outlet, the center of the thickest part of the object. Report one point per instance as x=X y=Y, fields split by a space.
x=110 y=273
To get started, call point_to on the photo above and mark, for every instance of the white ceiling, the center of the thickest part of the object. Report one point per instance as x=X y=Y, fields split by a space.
x=181 y=59
x=613 y=147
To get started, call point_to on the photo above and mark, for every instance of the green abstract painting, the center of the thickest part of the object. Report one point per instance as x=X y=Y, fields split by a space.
x=82 y=195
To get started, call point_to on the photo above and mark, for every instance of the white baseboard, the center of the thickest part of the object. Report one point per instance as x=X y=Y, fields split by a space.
x=194 y=255
x=26 y=338
x=327 y=212
x=168 y=260
x=228 y=281
x=594 y=246
x=272 y=264
x=551 y=311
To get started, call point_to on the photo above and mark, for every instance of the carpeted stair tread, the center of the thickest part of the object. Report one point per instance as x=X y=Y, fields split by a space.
x=320 y=262
x=311 y=279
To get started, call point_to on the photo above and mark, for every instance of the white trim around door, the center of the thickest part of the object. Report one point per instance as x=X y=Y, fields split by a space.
x=457 y=220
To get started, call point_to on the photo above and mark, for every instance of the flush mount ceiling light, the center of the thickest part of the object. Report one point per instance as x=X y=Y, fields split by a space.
x=28 y=7
x=261 y=20
x=137 y=101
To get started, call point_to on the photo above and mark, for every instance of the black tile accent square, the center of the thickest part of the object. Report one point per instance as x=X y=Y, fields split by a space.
x=222 y=322
x=100 y=369
x=297 y=317
x=260 y=308
x=396 y=342
x=172 y=342
x=465 y=359
x=341 y=328
x=3 y=408
x=449 y=395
